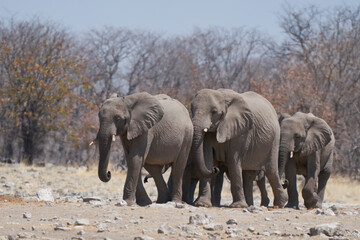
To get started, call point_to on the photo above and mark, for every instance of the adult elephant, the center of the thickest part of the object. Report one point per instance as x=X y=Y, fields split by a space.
x=242 y=132
x=306 y=148
x=155 y=131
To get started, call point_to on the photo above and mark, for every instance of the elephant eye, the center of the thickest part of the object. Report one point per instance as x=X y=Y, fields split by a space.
x=297 y=135
x=118 y=118
x=214 y=111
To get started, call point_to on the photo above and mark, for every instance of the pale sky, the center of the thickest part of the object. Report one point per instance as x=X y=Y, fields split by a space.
x=162 y=16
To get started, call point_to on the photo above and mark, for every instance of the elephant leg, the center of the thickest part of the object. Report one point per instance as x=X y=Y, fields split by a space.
x=323 y=178
x=311 y=199
x=142 y=198
x=204 y=198
x=262 y=187
x=248 y=178
x=272 y=174
x=132 y=178
x=163 y=191
x=216 y=187
x=177 y=173
x=236 y=183
x=188 y=186
x=290 y=175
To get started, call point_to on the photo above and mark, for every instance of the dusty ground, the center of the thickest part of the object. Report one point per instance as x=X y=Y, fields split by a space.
x=86 y=208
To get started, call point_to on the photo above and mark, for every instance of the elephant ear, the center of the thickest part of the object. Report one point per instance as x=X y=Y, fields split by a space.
x=237 y=120
x=318 y=135
x=283 y=116
x=145 y=111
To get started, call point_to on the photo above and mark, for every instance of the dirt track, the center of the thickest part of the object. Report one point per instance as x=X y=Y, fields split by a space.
x=90 y=209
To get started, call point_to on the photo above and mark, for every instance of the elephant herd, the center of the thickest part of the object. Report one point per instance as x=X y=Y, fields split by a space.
x=228 y=132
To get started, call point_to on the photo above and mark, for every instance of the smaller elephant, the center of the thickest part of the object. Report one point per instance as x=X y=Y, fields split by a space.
x=306 y=148
x=155 y=131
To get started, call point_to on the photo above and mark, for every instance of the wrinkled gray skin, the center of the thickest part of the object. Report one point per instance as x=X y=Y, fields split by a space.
x=240 y=131
x=155 y=131
x=312 y=142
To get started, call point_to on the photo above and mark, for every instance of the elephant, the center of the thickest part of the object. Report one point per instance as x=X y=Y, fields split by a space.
x=306 y=148
x=155 y=131
x=240 y=131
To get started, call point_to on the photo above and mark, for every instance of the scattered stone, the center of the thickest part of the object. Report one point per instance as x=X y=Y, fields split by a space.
x=200 y=219
x=267 y=219
x=329 y=212
x=45 y=194
x=26 y=235
x=102 y=227
x=27 y=215
x=213 y=227
x=266 y=233
x=329 y=229
x=245 y=210
x=62 y=228
x=82 y=222
x=166 y=229
x=143 y=238
x=135 y=221
x=334 y=209
x=254 y=209
x=188 y=229
x=88 y=199
x=251 y=229
x=180 y=205
x=231 y=221
x=9 y=185
x=97 y=203
x=82 y=232
x=71 y=199
x=121 y=203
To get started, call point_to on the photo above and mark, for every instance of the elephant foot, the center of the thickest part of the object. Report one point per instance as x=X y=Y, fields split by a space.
x=239 y=204
x=142 y=202
x=201 y=202
x=281 y=200
x=294 y=205
x=313 y=204
x=216 y=203
x=265 y=202
x=163 y=200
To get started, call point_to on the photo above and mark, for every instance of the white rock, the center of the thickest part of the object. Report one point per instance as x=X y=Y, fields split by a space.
x=82 y=222
x=27 y=215
x=329 y=229
x=121 y=203
x=45 y=194
x=213 y=227
x=231 y=221
x=200 y=219
x=251 y=229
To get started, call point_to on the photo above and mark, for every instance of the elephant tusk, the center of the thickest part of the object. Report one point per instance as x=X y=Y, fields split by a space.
x=206 y=129
x=92 y=142
x=113 y=138
x=291 y=154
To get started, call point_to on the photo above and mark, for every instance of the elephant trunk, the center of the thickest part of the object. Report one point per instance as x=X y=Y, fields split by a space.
x=104 y=150
x=285 y=153
x=197 y=154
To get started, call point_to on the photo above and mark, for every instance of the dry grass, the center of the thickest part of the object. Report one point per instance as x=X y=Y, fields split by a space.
x=339 y=189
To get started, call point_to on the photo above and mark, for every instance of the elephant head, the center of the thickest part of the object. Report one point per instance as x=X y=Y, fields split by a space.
x=223 y=112
x=128 y=117
x=301 y=133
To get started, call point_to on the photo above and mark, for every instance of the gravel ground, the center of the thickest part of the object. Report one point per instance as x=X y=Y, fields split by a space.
x=55 y=202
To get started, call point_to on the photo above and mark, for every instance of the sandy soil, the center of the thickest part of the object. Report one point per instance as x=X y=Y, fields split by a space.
x=86 y=208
